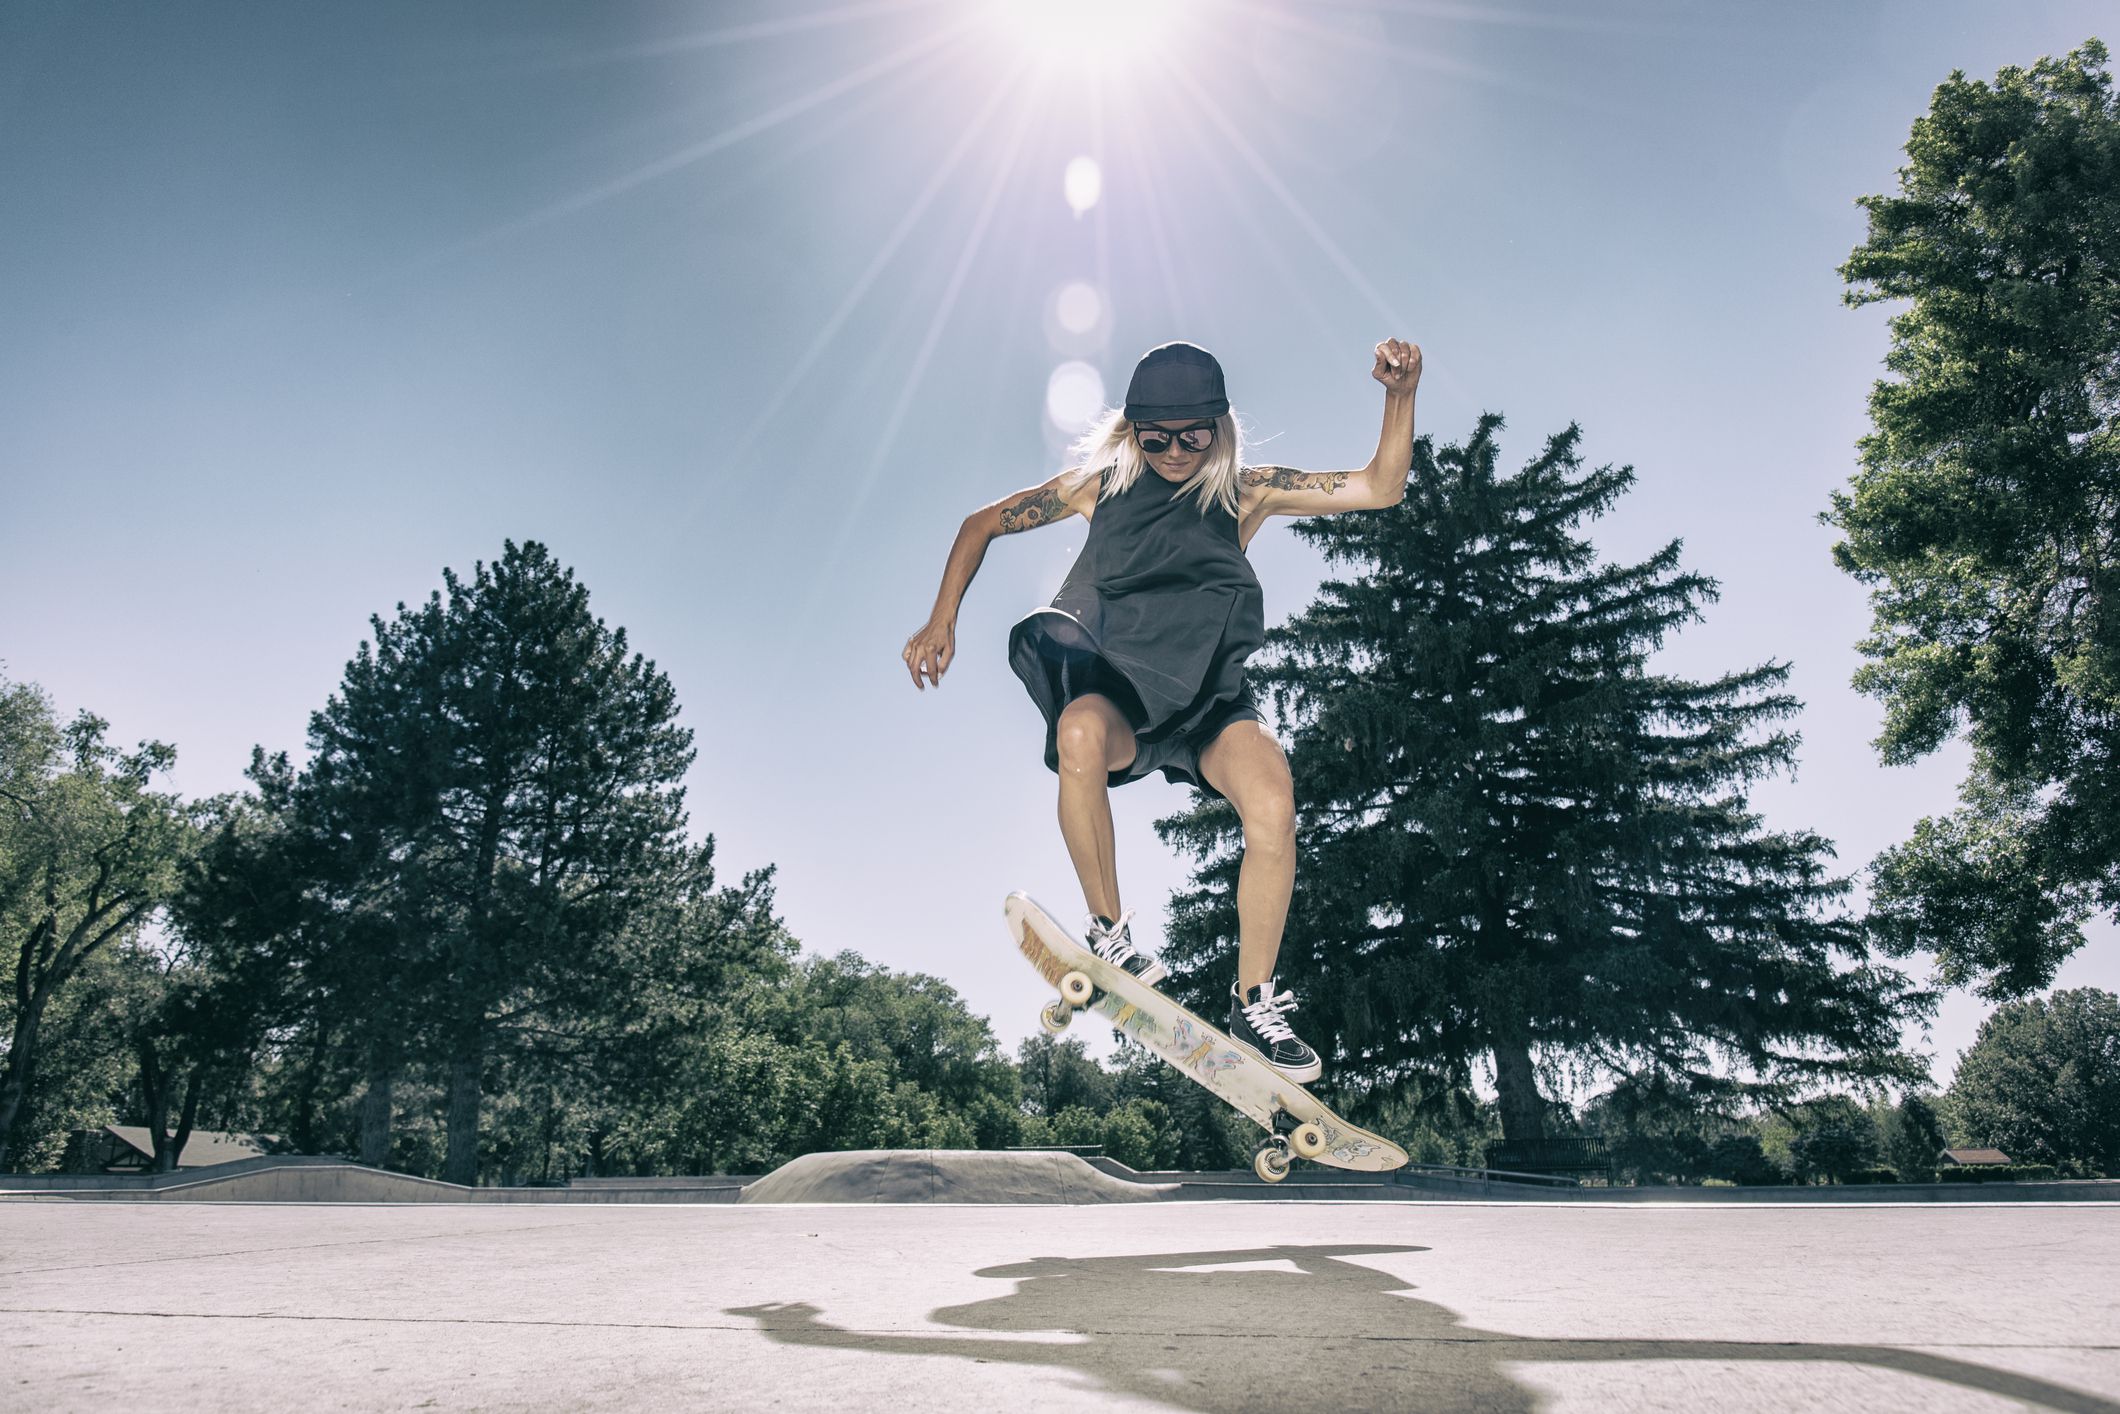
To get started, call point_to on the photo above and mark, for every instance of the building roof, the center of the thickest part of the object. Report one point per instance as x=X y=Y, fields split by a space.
x=205 y=1146
x=1975 y=1156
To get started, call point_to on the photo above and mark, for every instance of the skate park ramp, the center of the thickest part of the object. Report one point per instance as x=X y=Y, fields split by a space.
x=306 y=1178
x=946 y=1176
x=267 y=1179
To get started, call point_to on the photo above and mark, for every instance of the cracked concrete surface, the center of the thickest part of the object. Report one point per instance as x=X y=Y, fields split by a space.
x=1211 y=1306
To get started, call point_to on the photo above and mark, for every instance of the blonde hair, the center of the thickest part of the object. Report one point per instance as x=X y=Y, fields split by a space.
x=1109 y=446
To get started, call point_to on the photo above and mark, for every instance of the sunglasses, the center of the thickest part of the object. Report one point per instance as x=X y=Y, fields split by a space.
x=1156 y=440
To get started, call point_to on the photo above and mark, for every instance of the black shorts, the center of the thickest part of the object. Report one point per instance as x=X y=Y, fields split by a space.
x=1176 y=755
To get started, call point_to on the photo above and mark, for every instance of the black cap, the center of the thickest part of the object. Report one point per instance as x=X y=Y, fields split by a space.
x=1175 y=380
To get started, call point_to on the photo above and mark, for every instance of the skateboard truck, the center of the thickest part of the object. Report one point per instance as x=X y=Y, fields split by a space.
x=1076 y=992
x=1290 y=1137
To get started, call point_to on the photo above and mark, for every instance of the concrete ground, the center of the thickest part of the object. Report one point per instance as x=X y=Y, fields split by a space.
x=1204 y=1306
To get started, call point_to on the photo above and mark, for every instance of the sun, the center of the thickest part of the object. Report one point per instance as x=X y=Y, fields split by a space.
x=1095 y=36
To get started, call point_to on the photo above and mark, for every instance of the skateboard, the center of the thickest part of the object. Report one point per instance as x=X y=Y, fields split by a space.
x=1298 y=1125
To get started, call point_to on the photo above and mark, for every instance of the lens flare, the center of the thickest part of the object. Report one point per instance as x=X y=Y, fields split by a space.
x=1073 y=396
x=1083 y=184
x=1079 y=307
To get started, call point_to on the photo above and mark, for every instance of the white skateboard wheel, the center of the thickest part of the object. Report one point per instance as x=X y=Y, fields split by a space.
x=1055 y=1016
x=1270 y=1163
x=1076 y=988
x=1307 y=1140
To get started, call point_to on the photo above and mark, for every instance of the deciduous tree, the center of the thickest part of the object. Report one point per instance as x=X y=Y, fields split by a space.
x=89 y=853
x=2041 y=1082
x=1986 y=516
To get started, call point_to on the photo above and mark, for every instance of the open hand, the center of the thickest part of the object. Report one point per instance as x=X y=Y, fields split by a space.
x=927 y=653
x=1398 y=365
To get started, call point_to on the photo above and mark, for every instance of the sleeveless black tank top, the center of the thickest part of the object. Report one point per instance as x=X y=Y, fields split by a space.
x=1160 y=609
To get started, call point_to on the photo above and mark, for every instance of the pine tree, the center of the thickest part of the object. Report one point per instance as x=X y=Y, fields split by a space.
x=501 y=779
x=1515 y=838
x=295 y=893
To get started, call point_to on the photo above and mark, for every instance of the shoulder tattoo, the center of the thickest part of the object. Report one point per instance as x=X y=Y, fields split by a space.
x=1031 y=510
x=1282 y=478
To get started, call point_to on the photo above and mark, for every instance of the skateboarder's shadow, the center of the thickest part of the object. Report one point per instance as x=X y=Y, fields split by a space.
x=1298 y=1326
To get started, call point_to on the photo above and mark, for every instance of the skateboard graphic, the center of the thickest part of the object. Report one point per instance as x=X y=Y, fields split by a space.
x=1297 y=1123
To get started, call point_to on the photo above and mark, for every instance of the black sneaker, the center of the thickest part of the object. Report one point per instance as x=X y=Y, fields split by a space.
x=1260 y=1026
x=1112 y=942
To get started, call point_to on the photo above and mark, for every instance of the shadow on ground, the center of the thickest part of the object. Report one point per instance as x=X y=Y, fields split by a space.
x=1228 y=1330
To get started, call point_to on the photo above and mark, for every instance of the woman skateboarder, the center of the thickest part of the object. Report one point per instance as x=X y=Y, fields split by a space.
x=1138 y=665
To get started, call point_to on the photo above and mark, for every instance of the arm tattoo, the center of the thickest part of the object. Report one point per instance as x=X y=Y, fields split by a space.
x=1031 y=510
x=1282 y=478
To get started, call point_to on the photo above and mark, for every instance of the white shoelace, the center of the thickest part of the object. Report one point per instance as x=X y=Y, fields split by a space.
x=1265 y=1015
x=1115 y=945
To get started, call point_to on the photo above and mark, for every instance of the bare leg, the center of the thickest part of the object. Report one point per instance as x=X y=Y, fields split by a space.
x=1094 y=739
x=1247 y=765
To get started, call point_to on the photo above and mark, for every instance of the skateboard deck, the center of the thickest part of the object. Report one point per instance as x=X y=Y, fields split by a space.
x=1297 y=1123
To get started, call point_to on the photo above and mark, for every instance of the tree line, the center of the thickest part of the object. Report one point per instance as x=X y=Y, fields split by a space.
x=722 y=1048
x=470 y=934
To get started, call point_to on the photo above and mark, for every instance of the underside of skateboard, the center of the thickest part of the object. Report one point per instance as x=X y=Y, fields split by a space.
x=1287 y=1136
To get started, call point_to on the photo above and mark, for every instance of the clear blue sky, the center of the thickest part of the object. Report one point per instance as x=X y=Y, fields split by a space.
x=741 y=307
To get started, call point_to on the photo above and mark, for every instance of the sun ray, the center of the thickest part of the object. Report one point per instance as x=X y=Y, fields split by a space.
x=1292 y=283
x=822 y=342
x=1395 y=321
x=1484 y=14
x=746 y=34
x=1151 y=181
x=1102 y=214
x=940 y=319
x=1271 y=180
x=1266 y=13
x=855 y=499
x=699 y=151
x=907 y=80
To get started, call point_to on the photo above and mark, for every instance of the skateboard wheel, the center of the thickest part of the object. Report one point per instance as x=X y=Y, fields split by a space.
x=1076 y=989
x=1307 y=1140
x=1270 y=1163
x=1055 y=1016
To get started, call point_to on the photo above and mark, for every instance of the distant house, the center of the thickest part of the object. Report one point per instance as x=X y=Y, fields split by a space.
x=1968 y=1158
x=128 y=1148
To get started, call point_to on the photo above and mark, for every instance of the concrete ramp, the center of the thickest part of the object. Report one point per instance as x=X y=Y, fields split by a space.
x=946 y=1176
x=293 y=1179
x=298 y=1178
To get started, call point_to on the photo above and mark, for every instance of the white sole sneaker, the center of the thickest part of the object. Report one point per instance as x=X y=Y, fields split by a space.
x=1301 y=1074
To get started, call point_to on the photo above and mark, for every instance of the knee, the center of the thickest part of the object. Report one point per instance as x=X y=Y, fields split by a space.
x=1270 y=826
x=1079 y=738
